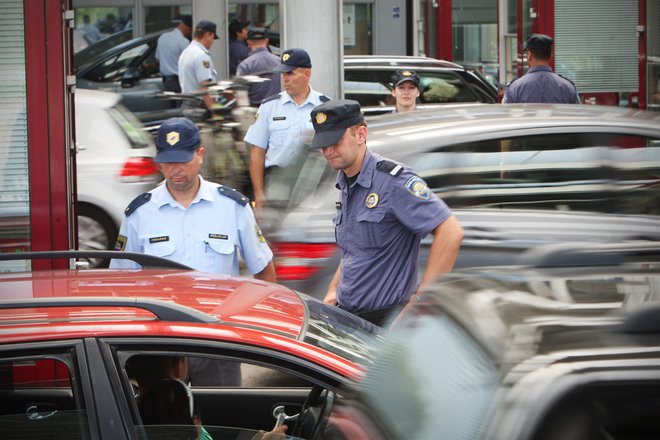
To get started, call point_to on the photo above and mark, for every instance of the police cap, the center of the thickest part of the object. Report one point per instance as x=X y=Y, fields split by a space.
x=207 y=26
x=187 y=20
x=331 y=119
x=176 y=141
x=539 y=43
x=292 y=58
x=402 y=76
x=257 y=33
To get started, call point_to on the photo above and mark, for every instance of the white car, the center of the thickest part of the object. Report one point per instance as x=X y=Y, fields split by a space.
x=115 y=163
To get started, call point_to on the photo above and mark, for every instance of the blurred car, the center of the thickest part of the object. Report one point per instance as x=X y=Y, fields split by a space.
x=115 y=163
x=546 y=353
x=96 y=48
x=130 y=68
x=68 y=335
x=368 y=80
x=515 y=176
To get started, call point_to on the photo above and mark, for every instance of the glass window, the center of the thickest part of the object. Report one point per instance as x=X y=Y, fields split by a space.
x=158 y=18
x=474 y=36
x=37 y=397
x=141 y=57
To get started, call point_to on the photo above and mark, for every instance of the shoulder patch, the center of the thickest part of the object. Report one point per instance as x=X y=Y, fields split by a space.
x=233 y=194
x=270 y=98
x=389 y=167
x=136 y=203
x=324 y=98
x=418 y=188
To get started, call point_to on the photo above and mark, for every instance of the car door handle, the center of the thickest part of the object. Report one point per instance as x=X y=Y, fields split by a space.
x=33 y=413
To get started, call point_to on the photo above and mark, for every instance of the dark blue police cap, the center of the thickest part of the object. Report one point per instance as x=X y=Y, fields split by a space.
x=292 y=58
x=208 y=26
x=257 y=33
x=331 y=119
x=176 y=141
x=402 y=76
x=539 y=43
x=187 y=20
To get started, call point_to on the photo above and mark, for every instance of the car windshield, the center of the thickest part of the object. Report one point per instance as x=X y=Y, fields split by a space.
x=101 y=46
x=340 y=332
x=130 y=125
x=430 y=394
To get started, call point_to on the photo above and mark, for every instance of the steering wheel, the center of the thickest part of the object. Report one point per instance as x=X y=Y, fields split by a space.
x=314 y=413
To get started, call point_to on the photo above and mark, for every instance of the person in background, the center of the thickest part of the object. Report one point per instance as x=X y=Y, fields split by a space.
x=91 y=32
x=238 y=47
x=261 y=62
x=169 y=48
x=540 y=84
x=383 y=213
x=405 y=91
x=196 y=71
x=280 y=132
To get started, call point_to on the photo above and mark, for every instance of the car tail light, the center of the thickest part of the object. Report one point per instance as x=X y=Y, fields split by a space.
x=137 y=169
x=301 y=261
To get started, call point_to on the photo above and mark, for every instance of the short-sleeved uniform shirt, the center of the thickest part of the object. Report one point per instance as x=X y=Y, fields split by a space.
x=284 y=128
x=207 y=236
x=169 y=48
x=541 y=85
x=195 y=67
x=261 y=62
x=380 y=222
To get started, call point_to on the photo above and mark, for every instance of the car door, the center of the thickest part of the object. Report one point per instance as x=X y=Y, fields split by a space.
x=45 y=389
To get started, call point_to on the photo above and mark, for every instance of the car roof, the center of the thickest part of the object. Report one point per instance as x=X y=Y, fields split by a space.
x=398 y=61
x=460 y=121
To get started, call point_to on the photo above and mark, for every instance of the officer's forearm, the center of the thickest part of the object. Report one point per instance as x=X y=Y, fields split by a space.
x=257 y=167
x=447 y=240
x=268 y=273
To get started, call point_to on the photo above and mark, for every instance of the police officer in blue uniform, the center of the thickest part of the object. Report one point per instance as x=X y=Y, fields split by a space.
x=282 y=129
x=260 y=62
x=384 y=211
x=540 y=84
x=405 y=89
x=198 y=223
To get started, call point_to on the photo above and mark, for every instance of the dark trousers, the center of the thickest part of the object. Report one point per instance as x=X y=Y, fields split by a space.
x=382 y=317
x=171 y=84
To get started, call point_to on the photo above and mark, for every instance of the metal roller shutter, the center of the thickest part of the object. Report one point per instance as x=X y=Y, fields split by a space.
x=596 y=44
x=14 y=188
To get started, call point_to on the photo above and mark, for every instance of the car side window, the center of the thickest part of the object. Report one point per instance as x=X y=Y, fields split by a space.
x=113 y=68
x=568 y=171
x=37 y=396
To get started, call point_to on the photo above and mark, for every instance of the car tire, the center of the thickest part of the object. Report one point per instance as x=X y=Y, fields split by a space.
x=96 y=232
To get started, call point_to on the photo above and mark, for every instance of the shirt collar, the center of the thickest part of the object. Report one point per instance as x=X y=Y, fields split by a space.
x=312 y=98
x=161 y=195
x=539 y=69
x=200 y=45
x=366 y=173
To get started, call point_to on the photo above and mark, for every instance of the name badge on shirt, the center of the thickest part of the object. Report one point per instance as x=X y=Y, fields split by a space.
x=159 y=239
x=218 y=236
x=279 y=118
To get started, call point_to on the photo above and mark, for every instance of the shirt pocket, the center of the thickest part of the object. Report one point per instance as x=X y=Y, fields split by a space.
x=371 y=230
x=159 y=249
x=278 y=130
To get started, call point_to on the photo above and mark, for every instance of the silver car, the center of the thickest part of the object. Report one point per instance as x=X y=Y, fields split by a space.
x=515 y=176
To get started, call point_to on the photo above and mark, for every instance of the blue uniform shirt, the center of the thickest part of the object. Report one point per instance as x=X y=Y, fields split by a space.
x=195 y=66
x=169 y=48
x=541 y=85
x=380 y=222
x=238 y=51
x=206 y=236
x=283 y=128
x=258 y=63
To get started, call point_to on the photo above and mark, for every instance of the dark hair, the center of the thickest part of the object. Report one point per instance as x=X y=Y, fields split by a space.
x=146 y=368
x=169 y=402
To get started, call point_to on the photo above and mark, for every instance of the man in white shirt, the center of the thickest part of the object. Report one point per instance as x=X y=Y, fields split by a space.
x=169 y=48
x=196 y=71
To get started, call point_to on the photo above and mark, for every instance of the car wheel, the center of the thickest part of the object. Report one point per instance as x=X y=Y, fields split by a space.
x=96 y=232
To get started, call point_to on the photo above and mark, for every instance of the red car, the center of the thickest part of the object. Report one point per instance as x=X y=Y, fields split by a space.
x=66 y=337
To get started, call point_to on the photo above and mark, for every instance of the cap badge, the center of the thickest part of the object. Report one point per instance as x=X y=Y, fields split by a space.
x=406 y=73
x=371 y=201
x=172 y=137
x=285 y=57
x=321 y=118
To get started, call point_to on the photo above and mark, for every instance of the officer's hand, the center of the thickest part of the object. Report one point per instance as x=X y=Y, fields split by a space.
x=331 y=297
x=259 y=203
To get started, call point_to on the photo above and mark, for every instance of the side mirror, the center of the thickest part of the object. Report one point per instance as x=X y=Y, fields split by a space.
x=130 y=78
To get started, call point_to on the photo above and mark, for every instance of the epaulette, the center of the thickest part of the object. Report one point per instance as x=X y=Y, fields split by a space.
x=233 y=194
x=511 y=82
x=389 y=167
x=324 y=98
x=136 y=203
x=270 y=98
x=567 y=79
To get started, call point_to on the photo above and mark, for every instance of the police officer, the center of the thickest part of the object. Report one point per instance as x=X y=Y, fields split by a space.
x=260 y=62
x=279 y=134
x=169 y=48
x=196 y=69
x=384 y=211
x=540 y=84
x=238 y=47
x=405 y=90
